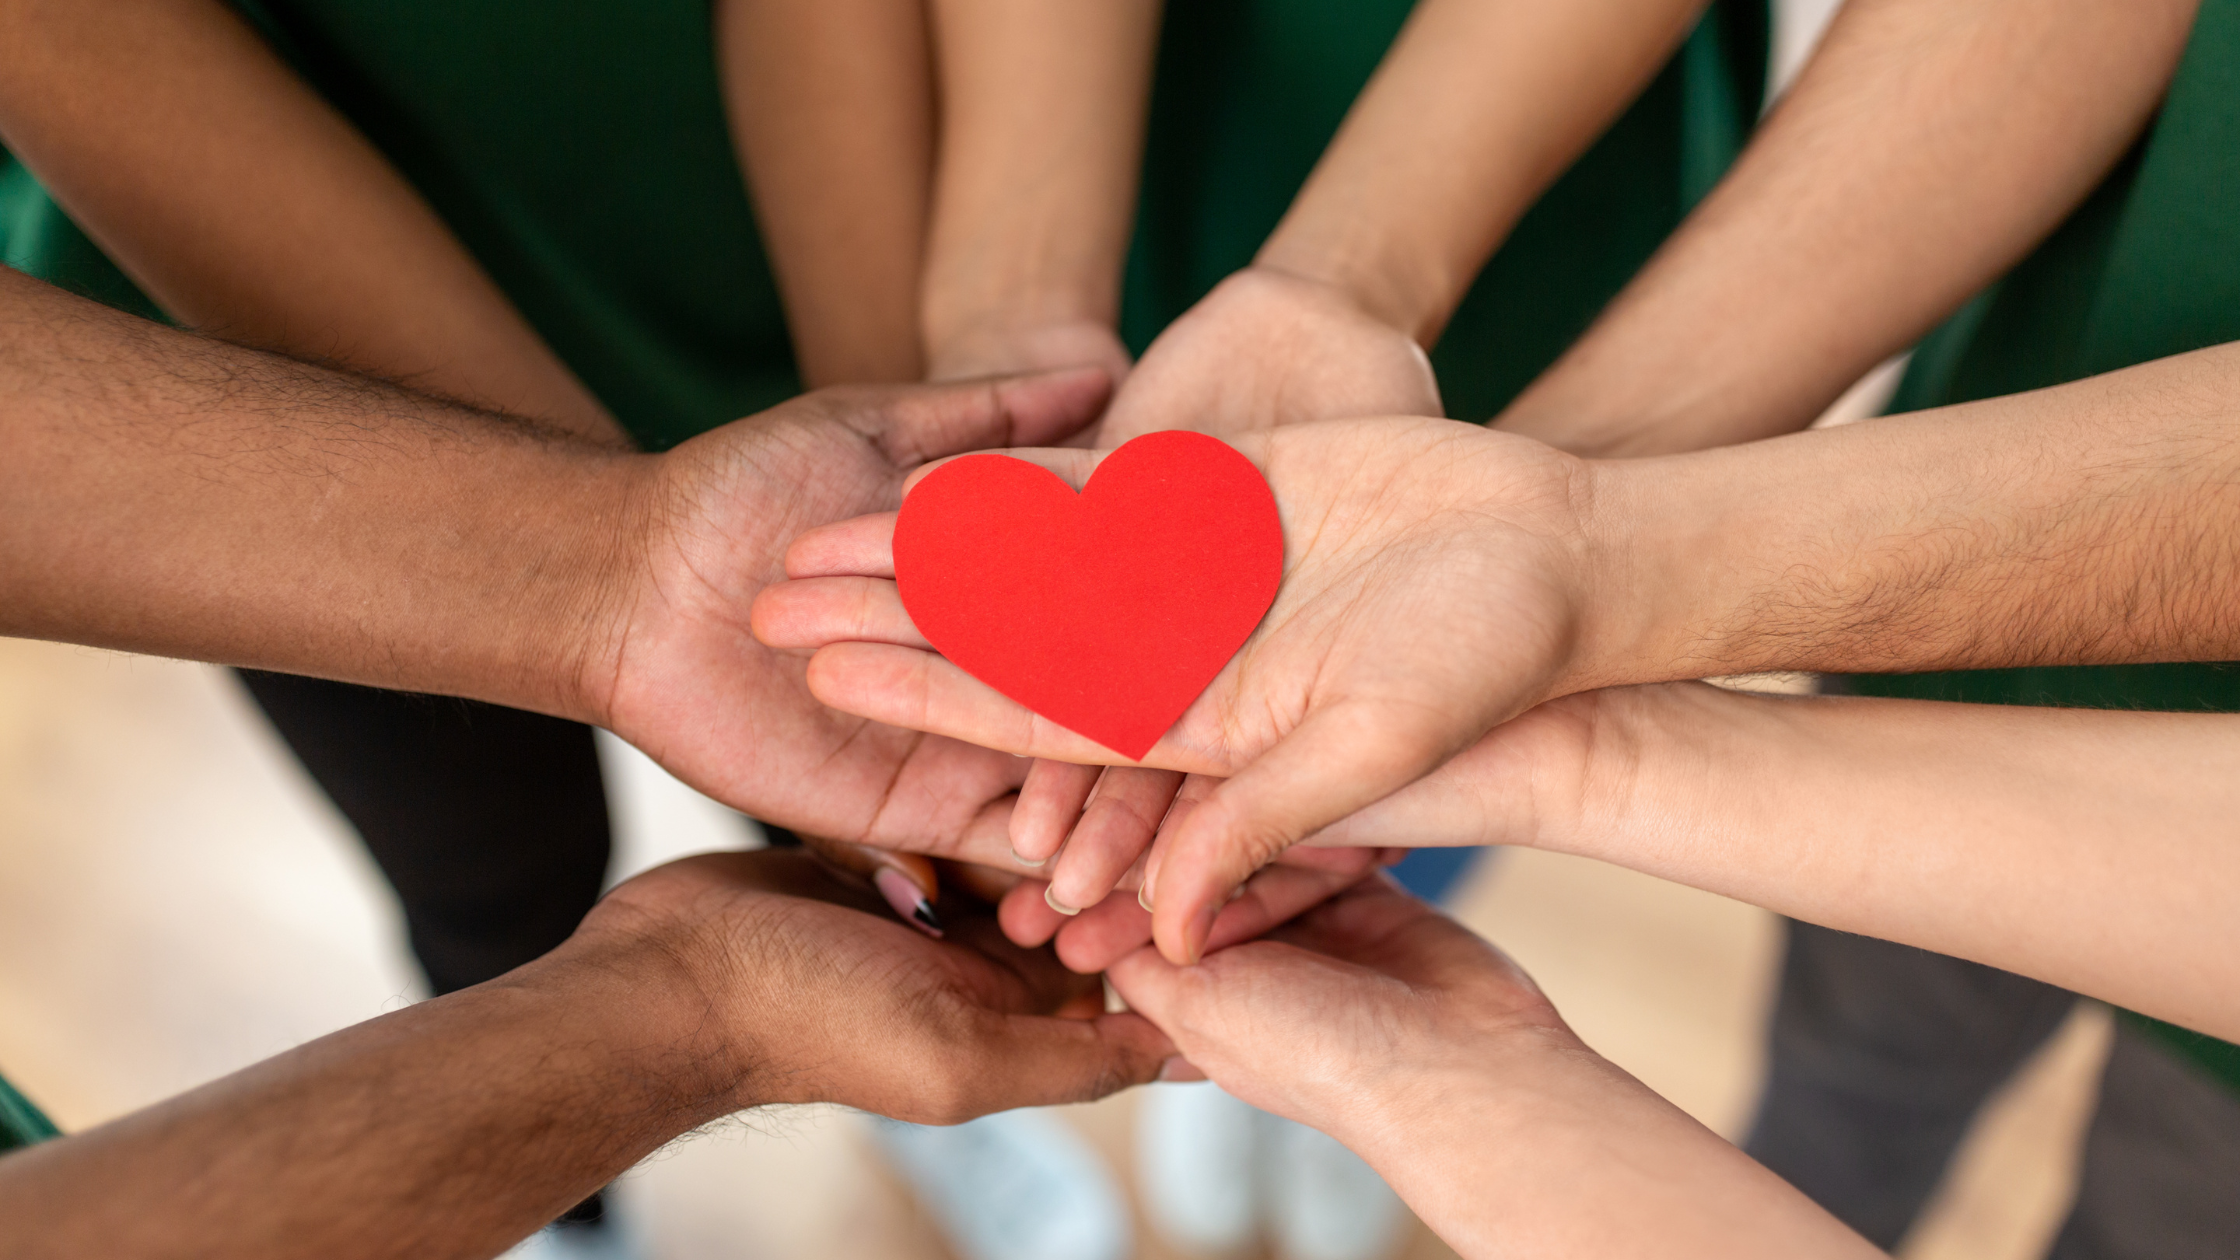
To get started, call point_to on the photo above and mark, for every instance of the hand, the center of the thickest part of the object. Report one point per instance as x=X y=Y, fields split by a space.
x=1267 y=348
x=677 y=672
x=1434 y=585
x=1332 y=1018
x=798 y=990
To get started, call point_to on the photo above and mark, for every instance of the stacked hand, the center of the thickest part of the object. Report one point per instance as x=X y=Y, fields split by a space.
x=1430 y=593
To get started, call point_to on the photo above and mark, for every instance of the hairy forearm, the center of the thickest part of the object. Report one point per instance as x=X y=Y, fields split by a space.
x=1042 y=120
x=1538 y=1146
x=248 y=208
x=831 y=107
x=2092 y=523
x=448 y=1129
x=169 y=494
x=1476 y=110
x=2088 y=849
x=1927 y=147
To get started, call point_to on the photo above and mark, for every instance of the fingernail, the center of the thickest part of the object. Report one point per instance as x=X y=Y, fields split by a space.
x=1178 y=1068
x=907 y=900
x=1201 y=928
x=1050 y=895
x=1023 y=860
x=1143 y=898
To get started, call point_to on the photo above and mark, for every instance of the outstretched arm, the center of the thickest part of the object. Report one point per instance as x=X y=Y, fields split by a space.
x=455 y=1127
x=1408 y=1038
x=2089 y=849
x=1925 y=149
x=1476 y=109
x=249 y=209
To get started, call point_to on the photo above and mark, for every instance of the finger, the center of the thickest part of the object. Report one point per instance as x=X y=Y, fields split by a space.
x=1119 y=926
x=1050 y=803
x=1026 y=915
x=861 y=546
x=919 y=690
x=1073 y=465
x=1116 y=827
x=812 y=612
x=1289 y=793
x=906 y=881
x=923 y=422
x=1046 y=1060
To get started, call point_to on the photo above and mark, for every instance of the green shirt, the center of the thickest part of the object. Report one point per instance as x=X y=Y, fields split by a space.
x=21 y=1124
x=2148 y=266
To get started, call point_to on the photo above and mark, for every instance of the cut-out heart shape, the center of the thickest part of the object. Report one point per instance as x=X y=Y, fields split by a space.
x=1106 y=611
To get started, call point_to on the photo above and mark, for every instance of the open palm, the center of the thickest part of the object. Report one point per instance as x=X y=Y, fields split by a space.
x=684 y=679
x=1428 y=595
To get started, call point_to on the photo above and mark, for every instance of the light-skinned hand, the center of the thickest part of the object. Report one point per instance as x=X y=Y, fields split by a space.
x=1432 y=585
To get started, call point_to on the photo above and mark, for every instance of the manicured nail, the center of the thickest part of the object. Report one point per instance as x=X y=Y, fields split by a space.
x=907 y=900
x=1143 y=898
x=1050 y=895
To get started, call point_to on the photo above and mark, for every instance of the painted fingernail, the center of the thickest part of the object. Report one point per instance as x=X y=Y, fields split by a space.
x=907 y=900
x=1143 y=898
x=1050 y=895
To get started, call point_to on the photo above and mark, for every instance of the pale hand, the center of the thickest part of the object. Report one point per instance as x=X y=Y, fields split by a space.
x=1433 y=589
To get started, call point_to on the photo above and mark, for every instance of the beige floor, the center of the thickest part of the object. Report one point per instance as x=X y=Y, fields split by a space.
x=176 y=901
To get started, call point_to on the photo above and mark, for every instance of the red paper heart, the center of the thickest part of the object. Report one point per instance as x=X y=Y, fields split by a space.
x=1106 y=611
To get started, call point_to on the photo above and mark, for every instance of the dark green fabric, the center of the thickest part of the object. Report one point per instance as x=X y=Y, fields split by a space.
x=2148 y=266
x=21 y=1124
x=578 y=148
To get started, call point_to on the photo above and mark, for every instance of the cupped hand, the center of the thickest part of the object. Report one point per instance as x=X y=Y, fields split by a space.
x=812 y=994
x=1338 y=1018
x=678 y=672
x=1434 y=587
x=1266 y=348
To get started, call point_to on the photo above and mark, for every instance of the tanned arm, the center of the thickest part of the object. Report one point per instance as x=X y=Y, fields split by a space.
x=1927 y=147
x=248 y=208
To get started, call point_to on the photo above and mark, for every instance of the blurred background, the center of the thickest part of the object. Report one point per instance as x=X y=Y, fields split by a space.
x=178 y=900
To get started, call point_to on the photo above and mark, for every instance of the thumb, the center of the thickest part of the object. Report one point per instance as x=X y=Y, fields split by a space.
x=925 y=422
x=1289 y=793
x=1046 y=1060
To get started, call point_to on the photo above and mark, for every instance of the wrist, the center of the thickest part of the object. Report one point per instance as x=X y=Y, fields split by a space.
x=574 y=635
x=1396 y=287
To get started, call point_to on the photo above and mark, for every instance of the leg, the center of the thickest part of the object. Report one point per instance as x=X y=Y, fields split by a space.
x=490 y=823
x=2161 y=1175
x=1881 y=1055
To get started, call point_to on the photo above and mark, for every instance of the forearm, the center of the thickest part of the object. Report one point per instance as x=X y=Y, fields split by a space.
x=1544 y=1148
x=1479 y=106
x=831 y=106
x=1042 y=110
x=173 y=495
x=2091 y=850
x=2092 y=523
x=448 y=1129
x=248 y=208
x=1926 y=148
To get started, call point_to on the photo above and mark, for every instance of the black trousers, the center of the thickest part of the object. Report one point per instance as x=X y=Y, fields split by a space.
x=1882 y=1054
x=490 y=823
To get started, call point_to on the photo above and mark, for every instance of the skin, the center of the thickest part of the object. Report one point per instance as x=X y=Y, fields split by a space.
x=2089 y=849
x=1926 y=148
x=1418 y=1045
x=832 y=111
x=1441 y=579
x=247 y=208
x=456 y=1126
x=173 y=495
